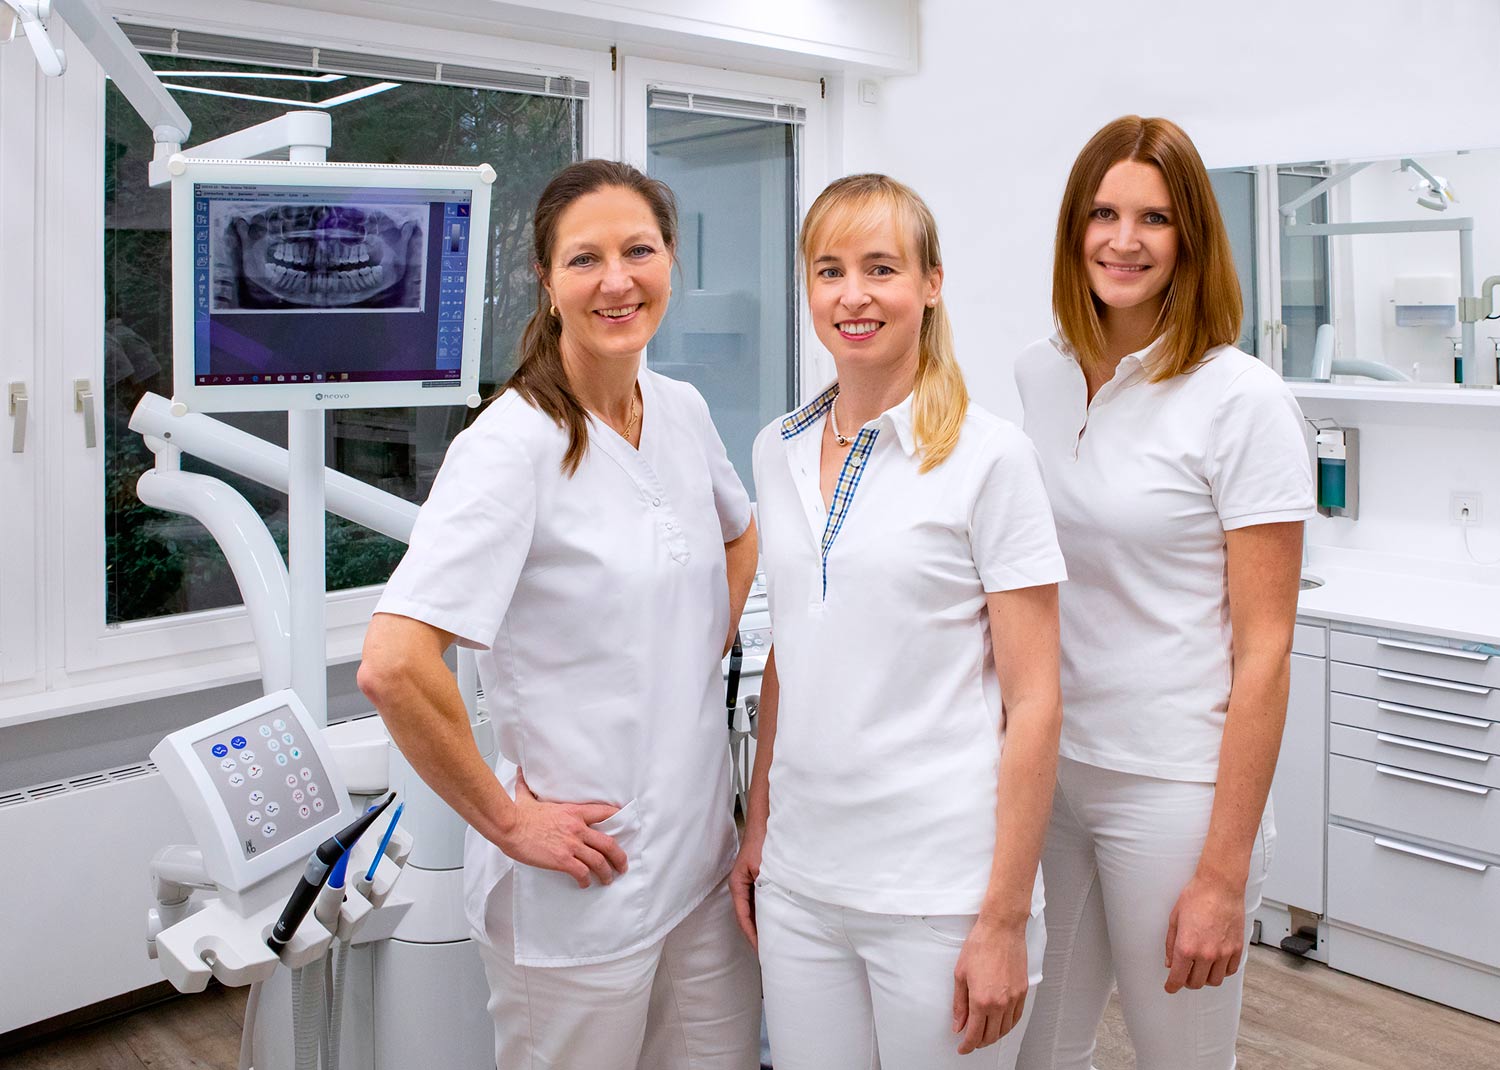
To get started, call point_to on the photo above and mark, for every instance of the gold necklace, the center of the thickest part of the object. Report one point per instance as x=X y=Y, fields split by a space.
x=635 y=414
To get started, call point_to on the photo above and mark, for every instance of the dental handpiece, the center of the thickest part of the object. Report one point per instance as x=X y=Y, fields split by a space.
x=319 y=866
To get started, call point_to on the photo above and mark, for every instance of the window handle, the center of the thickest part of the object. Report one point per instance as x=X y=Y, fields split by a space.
x=19 y=401
x=83 y=401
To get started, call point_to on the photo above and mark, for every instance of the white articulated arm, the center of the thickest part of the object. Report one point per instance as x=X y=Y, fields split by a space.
x=108 y=44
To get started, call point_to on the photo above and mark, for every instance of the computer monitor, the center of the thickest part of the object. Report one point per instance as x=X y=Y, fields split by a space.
x=326 y=285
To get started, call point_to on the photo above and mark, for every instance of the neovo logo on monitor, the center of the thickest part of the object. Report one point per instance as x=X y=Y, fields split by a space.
x=330 y=397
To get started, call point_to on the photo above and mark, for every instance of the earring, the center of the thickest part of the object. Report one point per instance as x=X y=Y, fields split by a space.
x=552 y=311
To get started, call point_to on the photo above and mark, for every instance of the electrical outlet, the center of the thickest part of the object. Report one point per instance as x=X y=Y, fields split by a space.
x=1463 y=507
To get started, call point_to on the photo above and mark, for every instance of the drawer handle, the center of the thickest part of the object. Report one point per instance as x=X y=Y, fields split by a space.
x=1444 y=651
x=1435 y=748
x=1435 y=781
x=1436 y=856
x=1427 y=681
x=1433 y=715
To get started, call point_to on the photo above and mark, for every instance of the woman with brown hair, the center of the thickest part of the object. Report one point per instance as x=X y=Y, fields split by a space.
x=589 y=537
x=1179 y=481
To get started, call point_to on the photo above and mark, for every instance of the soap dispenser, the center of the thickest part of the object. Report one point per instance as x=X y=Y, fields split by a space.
x=1338 y=471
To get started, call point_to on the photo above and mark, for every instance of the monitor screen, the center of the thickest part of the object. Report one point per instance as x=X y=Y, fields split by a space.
x=337 y=287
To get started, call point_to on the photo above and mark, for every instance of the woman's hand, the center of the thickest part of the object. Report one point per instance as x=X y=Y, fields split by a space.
x=742 y=884
x=557 y=836
x=1205 y=934
x=989 y=984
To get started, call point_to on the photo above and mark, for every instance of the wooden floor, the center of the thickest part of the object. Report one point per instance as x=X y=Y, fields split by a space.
x=1299 y=1015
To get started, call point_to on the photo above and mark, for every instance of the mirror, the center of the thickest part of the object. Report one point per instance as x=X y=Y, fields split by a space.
x=1351 y=271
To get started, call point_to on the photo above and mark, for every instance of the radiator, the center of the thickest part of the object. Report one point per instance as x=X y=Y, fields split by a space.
x=75 y=888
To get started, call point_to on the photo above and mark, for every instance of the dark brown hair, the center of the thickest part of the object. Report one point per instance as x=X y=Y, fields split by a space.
x=1202 y=306
x=539 y=376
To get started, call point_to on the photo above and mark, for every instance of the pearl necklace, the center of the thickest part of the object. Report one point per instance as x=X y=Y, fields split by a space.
x=833 y=417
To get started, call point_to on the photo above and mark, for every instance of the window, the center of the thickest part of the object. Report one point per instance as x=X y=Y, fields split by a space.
x=1284 y=279
x=1305 y=299
x=159 y=564
x=735 y=151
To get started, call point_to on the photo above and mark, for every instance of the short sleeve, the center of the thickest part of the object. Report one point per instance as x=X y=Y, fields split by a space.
x=471 y=538
x=1257 y=466
x=730 y=498
x=1011 y=532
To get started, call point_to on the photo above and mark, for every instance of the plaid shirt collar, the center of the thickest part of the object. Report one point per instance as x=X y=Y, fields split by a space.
x=899 y=415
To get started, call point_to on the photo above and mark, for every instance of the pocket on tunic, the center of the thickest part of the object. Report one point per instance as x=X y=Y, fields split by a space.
x=557 y=920
x=621 y=822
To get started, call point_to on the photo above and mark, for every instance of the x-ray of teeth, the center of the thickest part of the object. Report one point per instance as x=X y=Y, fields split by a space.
x=317 y=257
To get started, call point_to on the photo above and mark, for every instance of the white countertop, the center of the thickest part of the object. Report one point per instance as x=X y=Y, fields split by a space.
x=1456 y=600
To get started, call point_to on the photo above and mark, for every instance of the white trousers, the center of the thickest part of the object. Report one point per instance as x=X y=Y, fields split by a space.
x=1120 y=850
x=848 y=990
x=690 y=1001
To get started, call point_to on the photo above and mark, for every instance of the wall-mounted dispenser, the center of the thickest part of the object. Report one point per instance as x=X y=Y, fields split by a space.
x=1338 y=471
x=1425 y=300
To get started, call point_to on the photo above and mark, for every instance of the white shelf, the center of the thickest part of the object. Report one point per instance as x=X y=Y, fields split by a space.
x=1428 y=394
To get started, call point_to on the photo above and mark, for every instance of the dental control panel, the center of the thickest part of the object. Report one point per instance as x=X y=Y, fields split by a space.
x=268 y=779
x=258 y=785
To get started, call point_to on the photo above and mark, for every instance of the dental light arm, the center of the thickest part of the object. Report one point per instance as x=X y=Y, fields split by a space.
x=32 y=15
x=107 y=43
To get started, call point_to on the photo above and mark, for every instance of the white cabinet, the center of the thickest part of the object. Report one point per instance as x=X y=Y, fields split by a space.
x=1413 y=861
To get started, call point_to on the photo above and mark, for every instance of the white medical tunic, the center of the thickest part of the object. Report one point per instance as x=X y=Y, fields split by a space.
x=599 y=605
x=889 y=730
x=1144 y=481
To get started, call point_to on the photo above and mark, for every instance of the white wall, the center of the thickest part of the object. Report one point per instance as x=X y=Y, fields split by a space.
x=1006 y=95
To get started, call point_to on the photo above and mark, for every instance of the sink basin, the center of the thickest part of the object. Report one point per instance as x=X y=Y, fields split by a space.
x=1309 y=582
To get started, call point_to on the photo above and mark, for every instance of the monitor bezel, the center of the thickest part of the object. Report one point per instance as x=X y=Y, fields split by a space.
x=263 y=397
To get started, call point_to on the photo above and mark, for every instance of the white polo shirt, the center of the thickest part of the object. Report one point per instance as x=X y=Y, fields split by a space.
x=599 y=605
x=1144 y=482
x=889 y=731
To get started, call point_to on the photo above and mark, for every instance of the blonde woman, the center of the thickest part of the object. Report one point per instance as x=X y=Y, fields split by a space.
x=1180 y=481
x=910 y=707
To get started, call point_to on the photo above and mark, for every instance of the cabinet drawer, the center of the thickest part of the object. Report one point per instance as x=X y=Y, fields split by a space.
x=1420 y=658
x=1416 y=803
x=1420 y=755
x=1437 y=899
x=1450 y=729
x=1410 y=689
x=1312 y=639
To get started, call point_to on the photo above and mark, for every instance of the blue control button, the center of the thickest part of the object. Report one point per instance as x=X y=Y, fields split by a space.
x=238 y=742
x=220 y=750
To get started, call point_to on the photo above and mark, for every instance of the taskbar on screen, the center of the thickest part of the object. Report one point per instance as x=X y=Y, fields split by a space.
x=413 y=375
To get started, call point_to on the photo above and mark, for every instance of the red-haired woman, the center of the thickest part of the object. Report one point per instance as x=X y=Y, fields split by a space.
x=1179 y=480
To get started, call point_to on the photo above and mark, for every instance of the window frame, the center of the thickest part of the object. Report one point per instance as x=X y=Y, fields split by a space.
x=20 y=473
